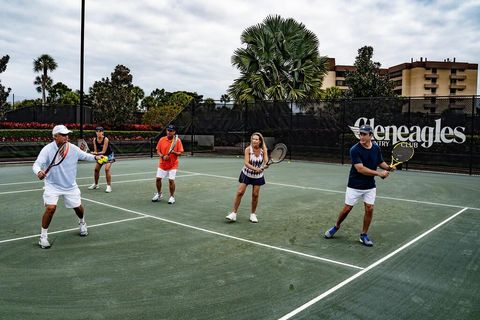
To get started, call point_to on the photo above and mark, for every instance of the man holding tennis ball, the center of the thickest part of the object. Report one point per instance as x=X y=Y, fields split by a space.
x=366 y=157
x=56 y=164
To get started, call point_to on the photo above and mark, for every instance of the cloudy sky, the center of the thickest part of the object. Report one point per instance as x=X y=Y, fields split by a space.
x=187 y=45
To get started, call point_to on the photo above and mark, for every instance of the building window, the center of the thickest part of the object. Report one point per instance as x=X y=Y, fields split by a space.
x=433 y=90
x=434 y=70
x=395 y=74
x=434 y=80
x=454 y=71
x=340 y=74
x=340 y=83
x=452 y=91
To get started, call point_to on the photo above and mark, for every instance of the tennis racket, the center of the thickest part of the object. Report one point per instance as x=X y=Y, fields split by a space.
x=401 y=152
x=173 y=144
x=278 y=154
x=83 y=145
x=59 y=156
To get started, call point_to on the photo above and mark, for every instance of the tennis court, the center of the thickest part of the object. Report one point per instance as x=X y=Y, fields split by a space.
x=146 y=260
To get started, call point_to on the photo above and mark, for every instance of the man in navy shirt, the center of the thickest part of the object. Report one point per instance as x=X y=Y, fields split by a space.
x=366 y=157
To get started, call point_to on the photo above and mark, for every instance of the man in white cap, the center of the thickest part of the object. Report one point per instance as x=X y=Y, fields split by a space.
x=366 y=157
x=60 y=181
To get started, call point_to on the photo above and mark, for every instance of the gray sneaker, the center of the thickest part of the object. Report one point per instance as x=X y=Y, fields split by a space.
x=43 y=243
x=83 y=229
x=157 y=197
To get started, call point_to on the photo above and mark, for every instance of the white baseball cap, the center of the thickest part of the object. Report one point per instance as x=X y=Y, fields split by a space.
x=60 y=129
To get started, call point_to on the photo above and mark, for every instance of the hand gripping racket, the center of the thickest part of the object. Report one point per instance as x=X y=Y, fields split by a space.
x=173 y=144
x=278 y=154
x=59 y=156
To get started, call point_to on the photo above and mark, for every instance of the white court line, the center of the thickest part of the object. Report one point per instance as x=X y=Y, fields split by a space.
x=336 y=191
x=84 y=185
x=370 y=267
x=81 y=178
x=225 y=235
x=73 y=229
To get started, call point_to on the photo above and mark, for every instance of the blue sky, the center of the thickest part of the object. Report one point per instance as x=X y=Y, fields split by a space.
x=187 y=45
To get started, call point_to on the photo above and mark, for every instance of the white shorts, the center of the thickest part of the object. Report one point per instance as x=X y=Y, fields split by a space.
x=72 y=198
x=162 y=173
x=352 y=196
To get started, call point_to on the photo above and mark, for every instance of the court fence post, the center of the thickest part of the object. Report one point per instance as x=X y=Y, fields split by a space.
x=192 y=129
x=470 y=171
x=342 y=145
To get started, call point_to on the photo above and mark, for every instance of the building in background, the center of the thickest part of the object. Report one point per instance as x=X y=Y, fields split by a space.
x=418 y=78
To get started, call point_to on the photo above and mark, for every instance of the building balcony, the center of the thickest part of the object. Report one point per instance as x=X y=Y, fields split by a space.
x=430 y=106
x=430 y=95
x=430 y=85
x=458 y=86
x=456 y=106
x=431 y=76
x=458 y=76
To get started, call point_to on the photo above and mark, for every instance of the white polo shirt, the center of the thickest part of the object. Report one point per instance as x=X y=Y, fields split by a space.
x=62 y=177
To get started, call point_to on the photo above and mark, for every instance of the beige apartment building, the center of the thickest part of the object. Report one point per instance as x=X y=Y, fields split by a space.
x=418 y=78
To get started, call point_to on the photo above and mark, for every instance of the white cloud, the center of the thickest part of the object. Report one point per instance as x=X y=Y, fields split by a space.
x=187 y=45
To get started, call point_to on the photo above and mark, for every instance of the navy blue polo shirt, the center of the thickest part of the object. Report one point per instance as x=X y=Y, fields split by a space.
x=370 y=158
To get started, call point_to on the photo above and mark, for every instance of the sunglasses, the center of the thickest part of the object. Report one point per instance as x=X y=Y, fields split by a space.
x=364 y=134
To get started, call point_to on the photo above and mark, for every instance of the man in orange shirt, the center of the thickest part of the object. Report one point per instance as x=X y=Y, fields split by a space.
x=168 y=164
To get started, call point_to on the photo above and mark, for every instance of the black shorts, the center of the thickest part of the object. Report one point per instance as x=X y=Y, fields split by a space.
x=253 y=181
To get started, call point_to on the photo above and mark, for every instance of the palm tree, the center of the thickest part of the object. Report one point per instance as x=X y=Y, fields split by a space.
x=225 y=98
x=43 y=64
x=281 y=61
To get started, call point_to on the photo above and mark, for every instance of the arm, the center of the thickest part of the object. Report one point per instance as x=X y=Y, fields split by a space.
x=40 y=162
x=386 y=167
x=178 y=148
x=105 y=145
x=95 y=151
x=82 y=155
x=265 y=155
x=369 y=172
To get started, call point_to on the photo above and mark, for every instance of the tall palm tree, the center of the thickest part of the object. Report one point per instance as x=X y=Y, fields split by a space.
x=281 y=61
x=43 y=64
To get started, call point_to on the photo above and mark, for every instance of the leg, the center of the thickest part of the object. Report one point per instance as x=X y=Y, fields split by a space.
x=343 y=215
x=238 y=196
x=96 y=174
x=81 y=217
x=255 y=195
x=158 y=183
x=367 y=218
x=80 y=211
x=171 y=186
x=48 y=215
x=108 y=174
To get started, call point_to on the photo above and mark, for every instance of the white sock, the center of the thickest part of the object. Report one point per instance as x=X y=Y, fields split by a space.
x=44 y=233
x=81 y=220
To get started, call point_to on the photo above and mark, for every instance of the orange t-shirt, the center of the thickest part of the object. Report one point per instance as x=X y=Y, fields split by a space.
x=163 y=146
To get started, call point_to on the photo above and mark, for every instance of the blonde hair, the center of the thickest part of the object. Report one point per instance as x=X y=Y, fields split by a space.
x=260 y=136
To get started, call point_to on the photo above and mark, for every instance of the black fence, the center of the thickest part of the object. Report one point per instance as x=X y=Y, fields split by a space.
x=50 y=114
x=445 y=131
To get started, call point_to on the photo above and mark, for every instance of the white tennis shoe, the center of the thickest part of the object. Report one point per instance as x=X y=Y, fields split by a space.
x=43 y=243
x=232 y=217
x=253 y=218
x=171 y=200
x=109 y=189
x=93 y=186
x=83 y=229
x=157 y=197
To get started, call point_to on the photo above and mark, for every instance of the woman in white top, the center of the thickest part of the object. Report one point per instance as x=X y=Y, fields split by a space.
x=255 y=159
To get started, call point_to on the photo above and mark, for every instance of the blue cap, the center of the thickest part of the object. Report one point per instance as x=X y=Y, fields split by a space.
x=366 y=129
x=171 y=127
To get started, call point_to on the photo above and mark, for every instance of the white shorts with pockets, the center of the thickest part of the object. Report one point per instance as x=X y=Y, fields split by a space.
x=353 y=195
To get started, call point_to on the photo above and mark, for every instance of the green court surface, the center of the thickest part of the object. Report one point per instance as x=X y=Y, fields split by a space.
x=145 y=260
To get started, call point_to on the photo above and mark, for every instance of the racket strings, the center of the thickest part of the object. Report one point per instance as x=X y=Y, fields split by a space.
x=278 y=153
x=402 y=153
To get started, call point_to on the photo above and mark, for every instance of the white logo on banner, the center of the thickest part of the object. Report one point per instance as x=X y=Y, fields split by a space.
x=423 y=136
